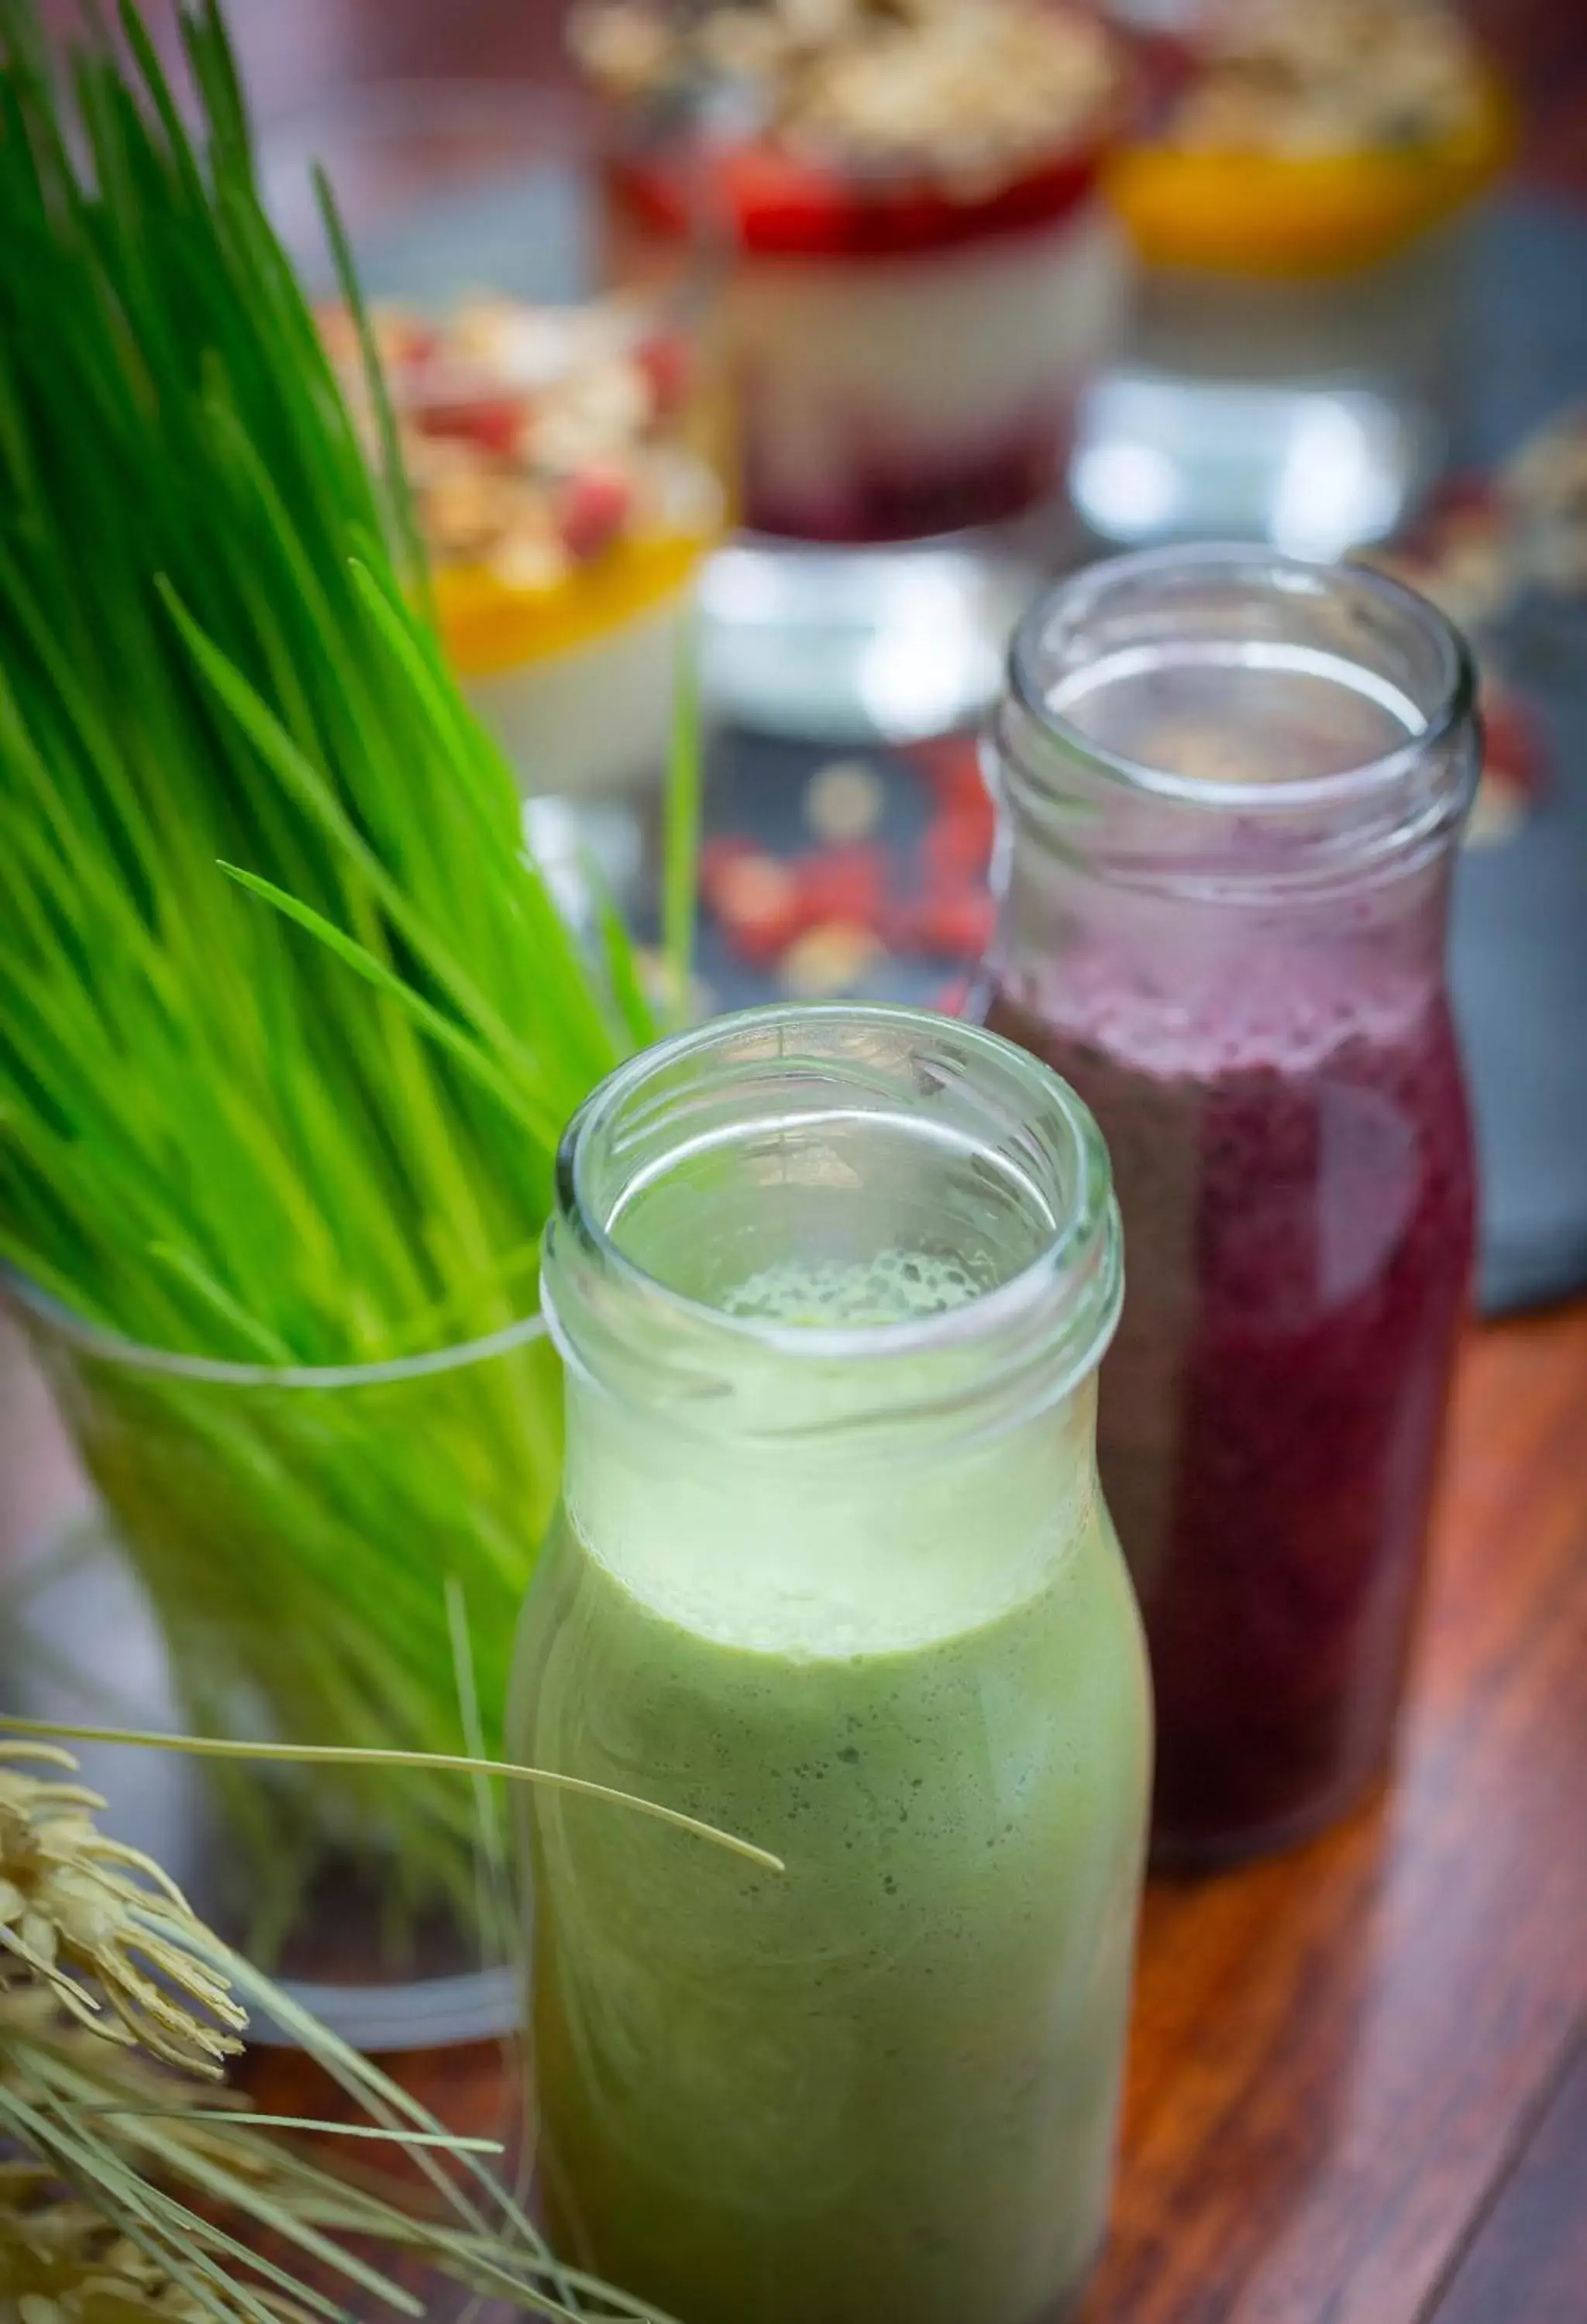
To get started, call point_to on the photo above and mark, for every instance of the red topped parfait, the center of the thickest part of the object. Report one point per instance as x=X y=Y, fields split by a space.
x=924 y=273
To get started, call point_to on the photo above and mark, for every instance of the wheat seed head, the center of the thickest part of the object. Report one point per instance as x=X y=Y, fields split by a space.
x=100 y=1924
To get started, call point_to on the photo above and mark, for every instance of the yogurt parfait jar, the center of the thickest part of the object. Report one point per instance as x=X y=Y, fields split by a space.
x=558 y=457
x=1232 y=787
x=926 y=275
x=834 y=1575
x=553 y=370
x=1300 y=204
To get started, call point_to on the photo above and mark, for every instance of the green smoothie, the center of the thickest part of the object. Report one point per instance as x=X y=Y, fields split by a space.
x=881 y=2088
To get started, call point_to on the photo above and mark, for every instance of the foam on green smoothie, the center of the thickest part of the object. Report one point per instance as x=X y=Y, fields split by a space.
x=804 y=1554
x=846 y=1296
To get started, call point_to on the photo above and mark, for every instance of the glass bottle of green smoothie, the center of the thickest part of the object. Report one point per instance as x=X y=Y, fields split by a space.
x=834 y=1574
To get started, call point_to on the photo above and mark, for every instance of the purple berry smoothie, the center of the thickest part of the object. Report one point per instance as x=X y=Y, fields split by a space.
x=1295 y=1174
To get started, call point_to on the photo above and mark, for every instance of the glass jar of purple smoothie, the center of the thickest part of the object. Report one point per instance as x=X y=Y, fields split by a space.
x=1233 y=785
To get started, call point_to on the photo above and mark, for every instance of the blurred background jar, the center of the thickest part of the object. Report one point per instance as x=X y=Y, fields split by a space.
x=1299 y=211
x=925 y=277
x=553 y=371
x=1233 y=785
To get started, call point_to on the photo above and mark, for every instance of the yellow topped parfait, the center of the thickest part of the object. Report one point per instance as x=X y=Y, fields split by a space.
x=1314 y=140
x=559 y=467
x=490 y=624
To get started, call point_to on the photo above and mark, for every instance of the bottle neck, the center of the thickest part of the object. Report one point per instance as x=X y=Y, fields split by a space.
x=1226 y=724
x=1259 y=842
x=1228 y=784
x=832 y=1228
x=807 y=1550
x=1074 y=942
x=831 y=1287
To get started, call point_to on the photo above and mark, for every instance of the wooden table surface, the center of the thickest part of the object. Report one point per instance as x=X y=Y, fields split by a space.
x=1358 y=2079
x=1358 y=2090
x=1358 y=2082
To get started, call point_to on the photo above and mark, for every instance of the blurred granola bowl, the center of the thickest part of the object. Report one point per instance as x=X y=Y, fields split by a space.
x=553 y=370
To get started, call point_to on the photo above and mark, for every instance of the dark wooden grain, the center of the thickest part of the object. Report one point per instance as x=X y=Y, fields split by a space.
x=1337 y=2053
x=1528 y=2257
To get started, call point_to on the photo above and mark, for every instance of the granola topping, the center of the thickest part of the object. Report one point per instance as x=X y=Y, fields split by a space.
x=538 y=439
x=1331 y=77
x=958 y=89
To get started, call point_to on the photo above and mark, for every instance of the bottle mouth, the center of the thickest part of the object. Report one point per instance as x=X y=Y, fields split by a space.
x=801 y=1217
x=1388 y=685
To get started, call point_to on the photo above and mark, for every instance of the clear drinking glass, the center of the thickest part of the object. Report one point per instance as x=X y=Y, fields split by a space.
x=1292 y=362
x=833 y=1574
x=1312 y=414
x=1232 y=787
x=283 y=1556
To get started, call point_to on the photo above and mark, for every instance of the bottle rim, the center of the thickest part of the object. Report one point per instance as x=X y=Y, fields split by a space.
x=1076 y=600
x=1037 y=1330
